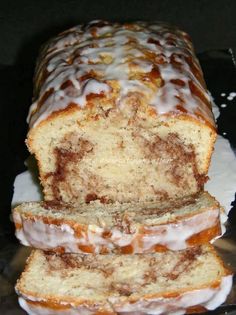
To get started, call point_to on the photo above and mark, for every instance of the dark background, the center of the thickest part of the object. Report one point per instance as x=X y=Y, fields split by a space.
x=25 y=24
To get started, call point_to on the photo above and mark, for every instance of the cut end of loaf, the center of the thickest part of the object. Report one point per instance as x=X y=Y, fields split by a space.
x=121 y=113
x=110 y=159
x=121 y=118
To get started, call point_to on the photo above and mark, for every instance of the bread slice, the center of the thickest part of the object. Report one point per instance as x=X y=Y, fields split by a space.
x=121 y=113
x=119 y=228
x=192 y=280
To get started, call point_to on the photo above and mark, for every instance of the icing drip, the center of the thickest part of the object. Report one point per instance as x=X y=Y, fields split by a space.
x=210 y=298
x=155 y=60
x=173 y=236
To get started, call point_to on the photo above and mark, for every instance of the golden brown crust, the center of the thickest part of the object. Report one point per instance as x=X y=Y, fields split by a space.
x=204 y=236
x=196 y=309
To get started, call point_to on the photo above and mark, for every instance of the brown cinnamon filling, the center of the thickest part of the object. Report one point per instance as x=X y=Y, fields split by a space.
x=67 y=262
x=122 y=288
x=171 y=148
x=93 y=196
x=52 y=204
x=65 y=156
x=169 y=153
x=185 y=263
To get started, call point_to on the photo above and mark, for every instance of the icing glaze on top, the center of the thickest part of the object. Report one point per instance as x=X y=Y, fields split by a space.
x=155 y=60
x=174 y=236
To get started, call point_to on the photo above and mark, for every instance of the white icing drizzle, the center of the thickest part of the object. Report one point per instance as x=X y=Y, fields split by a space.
x=174 y=236
x=220 y=295
x=108 y=52
x=40 y=310
x=210 y=298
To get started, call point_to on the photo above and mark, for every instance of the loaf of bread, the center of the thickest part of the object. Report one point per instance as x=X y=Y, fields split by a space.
x=188 y=281
x=121 y=113
x=118 y=228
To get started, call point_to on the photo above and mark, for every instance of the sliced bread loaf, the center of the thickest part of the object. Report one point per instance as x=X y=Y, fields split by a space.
x=192 y=280
x=121 y=113
x=119 y=228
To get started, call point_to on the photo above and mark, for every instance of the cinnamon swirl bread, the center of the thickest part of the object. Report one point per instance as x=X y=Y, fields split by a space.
x=121 y=113
x=188 y=281
x=118 y=228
